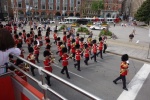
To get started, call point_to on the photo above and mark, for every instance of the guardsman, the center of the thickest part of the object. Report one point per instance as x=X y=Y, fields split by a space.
x=123 y=71
x=16 y=39
x=15 y=27
x=89 y=43
x=55 y=36
x=86 y=54
x=28 y=41
x=68 y=43
x=47 y=36
x=31 y=37
x=40 y=38
x=31 y=58
x=100 y=47
x=94 y=49
x=20 y=38
x=48 y=47
x=60 y=49
x=73 y=49
x=22 y=50
x=36 y=51
x=47 y=65
x=78 y=57
x=81 y=45
x=77 y=38
x=64 y=38
x=65 y=58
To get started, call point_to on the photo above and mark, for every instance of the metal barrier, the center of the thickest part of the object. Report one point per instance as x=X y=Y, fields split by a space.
x=45 y=87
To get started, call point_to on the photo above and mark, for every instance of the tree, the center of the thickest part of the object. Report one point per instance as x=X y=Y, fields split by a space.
x=97 y=6
x=143 y=13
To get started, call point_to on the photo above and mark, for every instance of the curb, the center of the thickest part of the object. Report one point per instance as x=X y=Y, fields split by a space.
x=129 y=56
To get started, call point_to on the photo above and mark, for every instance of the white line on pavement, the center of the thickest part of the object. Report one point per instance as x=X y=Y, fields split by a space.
x=72 y=72
x=136 y=83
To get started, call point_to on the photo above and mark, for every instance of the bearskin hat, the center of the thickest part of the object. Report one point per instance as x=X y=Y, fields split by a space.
x=46 y=53
x=24 y=31
x=39 y=34
x=73 y=40
x=64 y=50
x=31 y=28
x=10 y=56
x=85 y=45
x=82 y=39
x=55 y=31
x=77 y=34
x=77 y=46
x=28 y=35
x=48 y=46
x=19 y=45
x=64 y=32
x=39 y=31
x=68 y=36
x=48 y=29
x=16 y=36
x=35 y=36
x=60 y=43
x=31 y=50
x=125 y=57
x=100 y=38
x=18 y=62
x=35 y=42
x=39 y=28
x=47 y=41
x=94 y=41
x=58 y=38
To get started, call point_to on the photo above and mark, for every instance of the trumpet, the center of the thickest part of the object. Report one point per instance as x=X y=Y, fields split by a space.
x=62 y=46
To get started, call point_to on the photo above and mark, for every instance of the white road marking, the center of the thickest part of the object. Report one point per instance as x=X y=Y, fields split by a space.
x=72 y=72
x=136 y=83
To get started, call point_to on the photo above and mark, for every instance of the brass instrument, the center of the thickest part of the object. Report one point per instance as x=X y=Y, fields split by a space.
x=62 y=46
x=32 y=57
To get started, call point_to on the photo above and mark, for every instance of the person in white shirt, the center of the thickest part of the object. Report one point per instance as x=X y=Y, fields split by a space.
x=7 y=46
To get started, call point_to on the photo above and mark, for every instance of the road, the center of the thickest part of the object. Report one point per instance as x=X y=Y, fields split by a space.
x=97 y=78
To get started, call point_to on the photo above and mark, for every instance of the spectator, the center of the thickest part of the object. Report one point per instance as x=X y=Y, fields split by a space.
x=131 y=36
x=7 y=46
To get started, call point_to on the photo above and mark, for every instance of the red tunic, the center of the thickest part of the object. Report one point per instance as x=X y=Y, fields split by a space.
x=77 y=56
x=68 y=42
x=28 y=41
x=24 y=35
x=17 y=41
x=86 y=53
x=65 y=60
x=81 y=45
x=77 y=40
x=15 y=28
x=20 y=74
x=101 y=45
x=60 y=51
x=36 y=49
x=73 y=50
x=65 y=38
x=47 y=65
x=31 y=58
x=55 y=36
x=123 y=68
x=94 y=47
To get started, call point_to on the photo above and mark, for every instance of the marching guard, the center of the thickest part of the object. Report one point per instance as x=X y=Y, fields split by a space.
x=65 y=58
x=68 y=43
x=73 y=49
x=47 y=65
x=123 y=71
x=78 y=57
x=31 y=58
x=36 y=51
x=100 y=47
x=94 y=48
x=86 y=54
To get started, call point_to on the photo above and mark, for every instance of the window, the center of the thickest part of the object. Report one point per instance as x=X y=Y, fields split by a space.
x=65 y=4
x=12 y=3
x=19 y=3
x=71 y=5
x=35 y=4
x=51 y=3
x=58 y=5
x=43 y=4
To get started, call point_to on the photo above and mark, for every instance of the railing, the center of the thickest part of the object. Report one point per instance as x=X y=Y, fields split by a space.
x=45 y=87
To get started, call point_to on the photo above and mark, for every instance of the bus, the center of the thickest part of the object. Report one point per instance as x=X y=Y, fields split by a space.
x=71 y=20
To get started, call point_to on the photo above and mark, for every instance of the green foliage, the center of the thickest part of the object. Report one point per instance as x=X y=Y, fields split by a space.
x=62 y=27
x=84 y=30
x=105 y=32
x=143 y=13
x=97 y=5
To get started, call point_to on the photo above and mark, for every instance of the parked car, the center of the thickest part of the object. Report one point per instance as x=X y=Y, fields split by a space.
x=97 y=27
x=52 y=22
x=63 y=22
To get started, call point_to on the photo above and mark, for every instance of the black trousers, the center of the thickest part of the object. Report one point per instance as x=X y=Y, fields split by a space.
x=29 y=45
x=37 y=57
x=73 y=56
x=69 y=47
x=86 y=60
x=94 y=56
x=78 y=64
x=32 y=70
x=100 y=52
x=65 y=69
x=123 y=80
x=48 y=79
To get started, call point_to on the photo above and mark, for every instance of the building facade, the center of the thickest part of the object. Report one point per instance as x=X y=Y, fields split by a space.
x=112 y=8
x=45 y=8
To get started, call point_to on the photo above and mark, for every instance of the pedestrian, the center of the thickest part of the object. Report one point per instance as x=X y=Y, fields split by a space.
x=105 y=47
x=7 y=46
x=65 y=58
x=114 y=24
x=123 y=71
x=131 y=36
